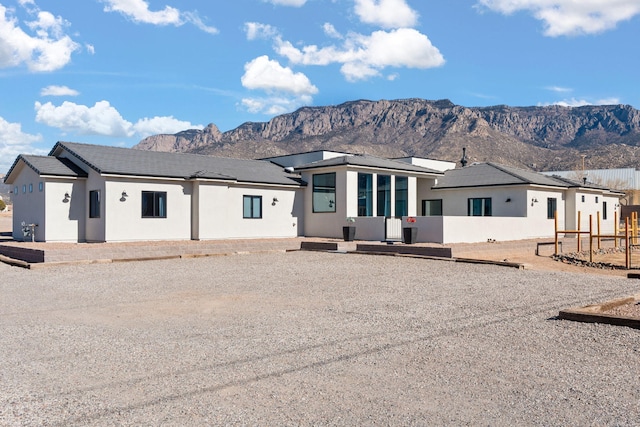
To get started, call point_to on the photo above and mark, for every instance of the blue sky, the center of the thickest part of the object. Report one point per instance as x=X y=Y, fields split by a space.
x=115 y=71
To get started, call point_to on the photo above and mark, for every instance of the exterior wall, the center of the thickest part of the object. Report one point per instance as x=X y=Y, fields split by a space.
x=458 y=229
x=28 y=207
x=95 y=227
x=220 y=212
x=122 y=216
x=329 y=224
x=65 y=218
x=439 y=165
x=455 y=201
x=592 y=208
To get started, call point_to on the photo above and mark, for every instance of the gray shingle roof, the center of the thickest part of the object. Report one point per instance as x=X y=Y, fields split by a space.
x=490 y=174
x=47 y=165
x=127 y=161
x=368 y=161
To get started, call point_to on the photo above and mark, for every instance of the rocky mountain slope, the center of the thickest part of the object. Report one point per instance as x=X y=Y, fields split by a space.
x=539 y=138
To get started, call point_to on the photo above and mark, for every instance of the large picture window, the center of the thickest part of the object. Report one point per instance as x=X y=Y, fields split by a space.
x=365 y=194
x=94 y=204
x=252 y=207
x=402 y=196
x=479 y=207
x=432 y=207
x=154 y=204
x=384 y=196
x=324 y=192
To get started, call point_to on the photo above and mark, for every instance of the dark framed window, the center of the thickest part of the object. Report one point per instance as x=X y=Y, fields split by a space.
x=365 y=194
x=552 y=206
x=384 y=195
x=480 y=206
x=324 y=192
x=582 y=198
x=94 y=204
x=432 y=207
x=154 y=204
x=604 y=210
x=252 y=206
x=402 y=196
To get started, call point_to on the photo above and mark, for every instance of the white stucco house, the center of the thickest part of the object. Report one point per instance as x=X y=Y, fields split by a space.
x=90 y=193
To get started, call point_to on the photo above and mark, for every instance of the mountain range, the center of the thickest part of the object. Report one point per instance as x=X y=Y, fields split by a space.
x=539 y=138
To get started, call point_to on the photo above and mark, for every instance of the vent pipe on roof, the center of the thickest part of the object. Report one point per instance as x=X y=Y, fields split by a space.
x=463 y=160
x=584 y=180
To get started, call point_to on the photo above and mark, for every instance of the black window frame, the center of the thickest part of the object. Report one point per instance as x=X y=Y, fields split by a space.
x=94 y=204
x=430 y=201
x=324 y=190
x=604 y=209
x=158 y=204
x=486 y=206
x=552 y=207
x=251 y=213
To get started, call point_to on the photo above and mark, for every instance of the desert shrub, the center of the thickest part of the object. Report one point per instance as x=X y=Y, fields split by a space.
x=3 y=205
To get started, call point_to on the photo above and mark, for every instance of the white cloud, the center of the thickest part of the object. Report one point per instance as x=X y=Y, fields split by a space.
x=294 y=3
x=573 y=102
x=138 y=11
x=275 y=105
x=365 y=56
x=331 y=31
x=13 y=141
x=256 y=30
x=103 y=119
x=58 y=91
x=386 y=13
x=570 y=17
x=268 y=75
x=90 y=48
x=286 y=89
x=48 y=48
x=559 y=89
x=166 y=125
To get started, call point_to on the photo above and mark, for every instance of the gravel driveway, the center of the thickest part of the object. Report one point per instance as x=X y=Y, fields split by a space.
x=308 y=338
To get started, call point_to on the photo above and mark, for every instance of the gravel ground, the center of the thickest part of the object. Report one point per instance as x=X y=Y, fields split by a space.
x=307 y=338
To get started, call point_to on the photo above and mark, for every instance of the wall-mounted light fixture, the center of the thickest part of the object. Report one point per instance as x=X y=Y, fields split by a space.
x=534 y=200
x=330 y=203
x=508 y=200
x=275 y=200
x=124 y=196
x=67 y=197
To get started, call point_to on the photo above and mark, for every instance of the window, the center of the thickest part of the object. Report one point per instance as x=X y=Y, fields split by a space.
x=24 y=188
x=40 y=186
x=94 y=204
x=604 y=210
x=583 y=198
x=402 y=196
x=596 y=199
x=365 y=194
x=15 y=190
x=552 y=206
x=432 y=207
x=479 y=207
x=30 y=188
x=252 y=207
x=384 y=195
x=154 y=204
x=324 y=192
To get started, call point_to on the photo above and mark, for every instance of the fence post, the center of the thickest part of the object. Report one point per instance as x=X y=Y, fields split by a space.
x=579 y=220
x=627 y=244
x=590 y=238
x=555 y=222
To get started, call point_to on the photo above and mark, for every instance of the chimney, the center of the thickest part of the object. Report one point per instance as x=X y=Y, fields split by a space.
x=463 y=160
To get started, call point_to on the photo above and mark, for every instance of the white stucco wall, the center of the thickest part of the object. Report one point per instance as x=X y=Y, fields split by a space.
x=220 y=214
x=123 y=216
x=65 y=220
x=458 y=229
x=28 y=207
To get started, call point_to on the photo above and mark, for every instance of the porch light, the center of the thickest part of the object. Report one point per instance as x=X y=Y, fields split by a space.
x=275 y=200
x=67 y=197
x=124 y=196
x=330 y=203
x=508 y=200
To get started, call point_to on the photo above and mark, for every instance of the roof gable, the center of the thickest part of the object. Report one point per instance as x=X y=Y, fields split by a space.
x=47 y=165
